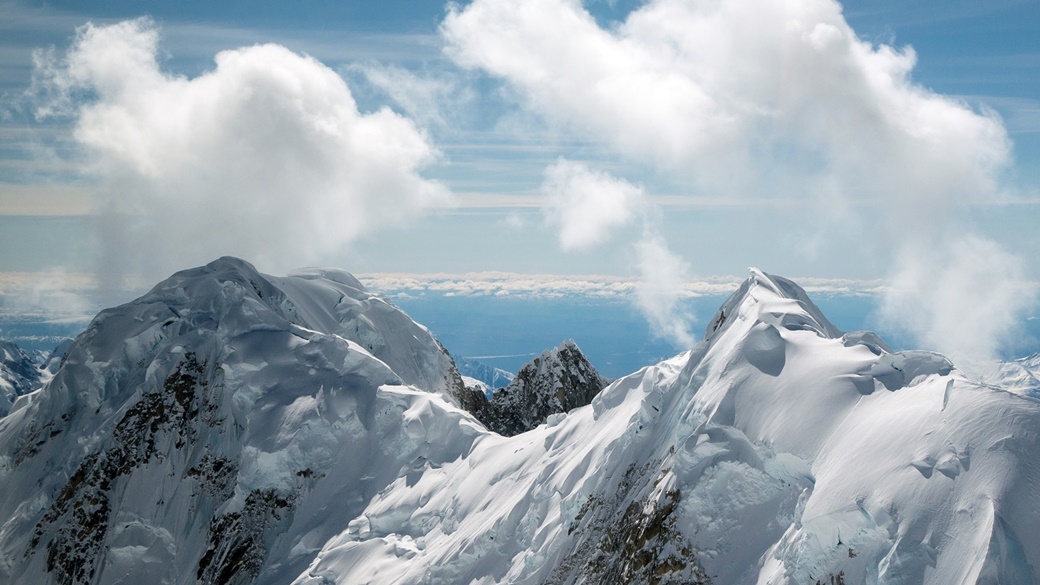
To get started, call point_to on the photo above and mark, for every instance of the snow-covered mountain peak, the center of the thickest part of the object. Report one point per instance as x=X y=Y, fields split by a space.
x=556 y=358
x=254 y=429
x=1021 y=375
x=490 y=378
x=774 y=301
x=561 y=377
x=228 y=298
x=189 y=423
x=877 y=427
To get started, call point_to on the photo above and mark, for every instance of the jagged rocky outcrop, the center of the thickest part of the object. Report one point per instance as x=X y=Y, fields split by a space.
x=559 y=380
x=19 y=374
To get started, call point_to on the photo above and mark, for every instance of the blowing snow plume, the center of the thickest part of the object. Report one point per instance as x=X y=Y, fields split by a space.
x=961 y=296
x=588 y=206
x=659 y=292
x=265 y=156
x=763 y=98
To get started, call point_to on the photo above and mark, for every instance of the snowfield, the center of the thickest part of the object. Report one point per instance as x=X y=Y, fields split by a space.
x=232 y=427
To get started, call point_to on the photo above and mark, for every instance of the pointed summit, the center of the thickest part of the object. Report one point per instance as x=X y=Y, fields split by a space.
x=774 y=300
x=559 y=380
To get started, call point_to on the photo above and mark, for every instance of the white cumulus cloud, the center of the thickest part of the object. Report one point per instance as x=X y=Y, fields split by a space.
x=773 y=99
x=586 y=204
x=709 y=89
x=264 y=156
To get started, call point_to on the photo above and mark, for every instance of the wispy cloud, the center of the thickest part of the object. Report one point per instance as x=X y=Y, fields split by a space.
x=53 y=199
x=588 y=207
x=55 y=296
x=437 y=101
x=963 y=296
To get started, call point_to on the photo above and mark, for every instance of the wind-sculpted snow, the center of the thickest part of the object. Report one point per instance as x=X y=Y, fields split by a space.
x=235 y=428
x=919 y=474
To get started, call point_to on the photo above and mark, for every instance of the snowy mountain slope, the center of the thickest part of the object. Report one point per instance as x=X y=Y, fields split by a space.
x=1021 y=376
x=924 y=475
x=557 y=381
x=213 y=432
x=18 y=374
x=52 y=360
x=776 y=451
x=187 y=430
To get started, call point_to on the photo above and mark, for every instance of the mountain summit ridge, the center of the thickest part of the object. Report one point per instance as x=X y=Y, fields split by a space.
x=230 y=427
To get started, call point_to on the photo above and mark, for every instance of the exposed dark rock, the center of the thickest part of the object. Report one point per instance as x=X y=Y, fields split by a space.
x=238 y=540
x=77 y=522
x=559 y=380
x=629 y=536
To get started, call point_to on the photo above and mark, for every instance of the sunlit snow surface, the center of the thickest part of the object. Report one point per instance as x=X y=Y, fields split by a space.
x=775 y=451
x=794 y=461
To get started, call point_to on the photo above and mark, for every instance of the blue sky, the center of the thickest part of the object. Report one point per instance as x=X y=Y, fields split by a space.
x=662 y=141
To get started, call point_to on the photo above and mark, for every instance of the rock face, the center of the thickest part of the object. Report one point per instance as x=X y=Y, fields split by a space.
x=18 y=375
x=558 y=381
x=230 y=427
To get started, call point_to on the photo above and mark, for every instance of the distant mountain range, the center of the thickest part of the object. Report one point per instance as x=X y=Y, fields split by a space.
x=492 y=378
x=234 y=427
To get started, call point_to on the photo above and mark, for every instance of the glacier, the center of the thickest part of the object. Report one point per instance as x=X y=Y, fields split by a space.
x=234 y=427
